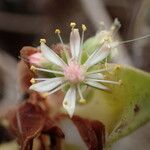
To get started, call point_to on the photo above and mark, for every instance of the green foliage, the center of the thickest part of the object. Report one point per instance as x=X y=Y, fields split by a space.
x=123 y=109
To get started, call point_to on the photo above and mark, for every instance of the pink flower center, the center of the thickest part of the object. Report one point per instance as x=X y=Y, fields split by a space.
x=73 y=72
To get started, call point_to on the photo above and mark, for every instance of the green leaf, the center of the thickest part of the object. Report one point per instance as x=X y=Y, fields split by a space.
x=125 y=108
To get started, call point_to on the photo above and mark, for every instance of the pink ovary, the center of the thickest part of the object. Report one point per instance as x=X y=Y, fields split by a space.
x=73 y=72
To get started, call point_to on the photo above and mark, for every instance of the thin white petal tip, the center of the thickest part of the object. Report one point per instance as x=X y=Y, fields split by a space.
x=69 y=109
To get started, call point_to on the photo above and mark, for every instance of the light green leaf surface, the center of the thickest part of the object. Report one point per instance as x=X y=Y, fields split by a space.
x=123 y=109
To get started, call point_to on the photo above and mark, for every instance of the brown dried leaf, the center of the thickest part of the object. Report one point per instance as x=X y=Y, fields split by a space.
x=28 y=123
x=92 y=132
x=25 y=75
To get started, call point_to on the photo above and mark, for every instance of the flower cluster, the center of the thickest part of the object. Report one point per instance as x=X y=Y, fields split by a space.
x=71 y=72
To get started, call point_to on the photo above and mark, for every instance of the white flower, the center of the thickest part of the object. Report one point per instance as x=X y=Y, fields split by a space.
x=72 y=72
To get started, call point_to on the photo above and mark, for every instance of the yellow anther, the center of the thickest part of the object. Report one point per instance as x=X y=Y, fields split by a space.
x=32 y=80
x=57 y=31
x=32 y=68
x=45 y=95
x=72 y=24
x=117 y=67
x=82 y=101
x=42 y=41
x=84 y=28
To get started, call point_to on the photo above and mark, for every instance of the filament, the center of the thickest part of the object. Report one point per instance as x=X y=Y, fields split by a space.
x=57 y=31
x=46 y=70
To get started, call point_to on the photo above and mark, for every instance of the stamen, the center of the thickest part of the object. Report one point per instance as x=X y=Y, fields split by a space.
x=46 y=70
x=82 y=100
x=84 y=28
x=42 y=41
x=32 y=68
x=72 y=25
x=32 y=80
x=57 y=31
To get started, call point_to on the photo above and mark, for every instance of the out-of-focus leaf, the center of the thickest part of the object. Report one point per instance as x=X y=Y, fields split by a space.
x=27 y=123
x=92 y=132
x=125 y=108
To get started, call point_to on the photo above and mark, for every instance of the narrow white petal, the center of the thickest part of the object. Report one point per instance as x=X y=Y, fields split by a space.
x=72 y=134
x=50 y=55
x=70 y=100
x=41 y=79
x=50 y=71
x=98 y=71
x=103 y=81
x=80 y=92
x=95 y=76
x=58 y=88
x=75 y=43
x=98 y=55
x=96 y=85
x=47 y=85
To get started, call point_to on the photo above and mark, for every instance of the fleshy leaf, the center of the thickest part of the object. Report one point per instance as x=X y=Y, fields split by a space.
x=125 y=107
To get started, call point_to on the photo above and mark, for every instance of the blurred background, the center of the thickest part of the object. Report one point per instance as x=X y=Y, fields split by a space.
x=24 y=22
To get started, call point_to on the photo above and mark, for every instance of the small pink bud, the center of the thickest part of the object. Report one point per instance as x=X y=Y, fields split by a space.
x=37 y=59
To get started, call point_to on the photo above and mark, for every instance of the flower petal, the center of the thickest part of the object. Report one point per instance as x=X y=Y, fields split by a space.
x=70 y=100
x=75 y=43
x=96 y=85
x=50 y=55
x=72 y=134
x=103 y=81
x=47 y=85
x=95 y=76
x=98 y=55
